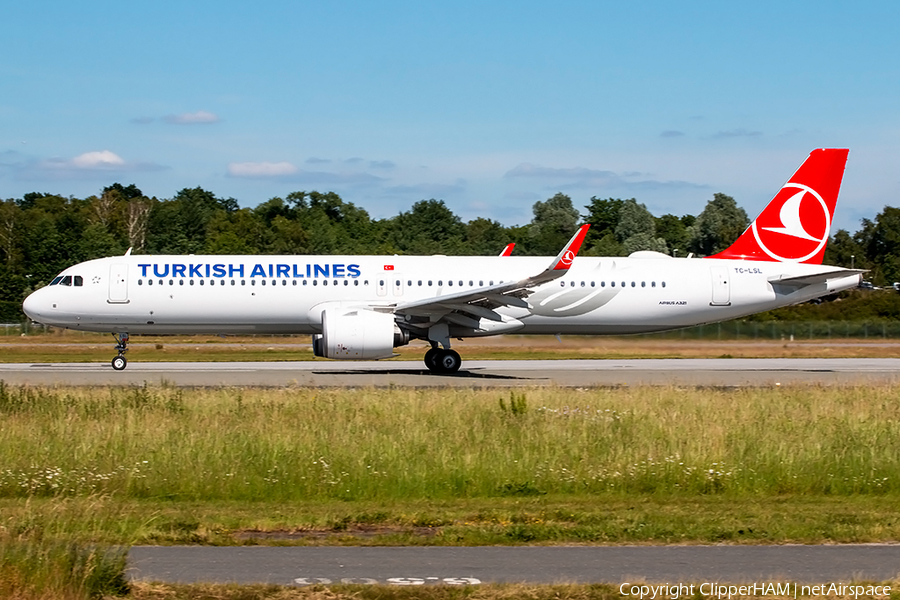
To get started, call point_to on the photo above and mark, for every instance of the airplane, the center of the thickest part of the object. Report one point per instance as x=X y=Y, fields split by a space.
x=363 y=307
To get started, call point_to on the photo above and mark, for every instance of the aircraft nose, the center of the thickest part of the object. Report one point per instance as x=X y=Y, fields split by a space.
x=35 y=307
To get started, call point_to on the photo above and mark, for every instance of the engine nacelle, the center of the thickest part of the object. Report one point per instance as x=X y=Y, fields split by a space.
x=358 y=334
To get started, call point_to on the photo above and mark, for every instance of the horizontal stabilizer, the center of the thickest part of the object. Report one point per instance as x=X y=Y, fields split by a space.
x=810 y=279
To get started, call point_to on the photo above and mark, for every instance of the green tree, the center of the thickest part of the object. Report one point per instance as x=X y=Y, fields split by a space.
x=430 y=227
x=485 y=237
x=718 y=226
x=637 y=230
x=554 y=222
x=674 y=231
x=884 y=246
x=603 y=215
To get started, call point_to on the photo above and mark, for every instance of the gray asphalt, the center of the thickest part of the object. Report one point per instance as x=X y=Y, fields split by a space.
x=477 y=373
x=472 y=565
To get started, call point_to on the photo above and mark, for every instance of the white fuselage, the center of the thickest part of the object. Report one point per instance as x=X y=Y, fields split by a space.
x=287 y=294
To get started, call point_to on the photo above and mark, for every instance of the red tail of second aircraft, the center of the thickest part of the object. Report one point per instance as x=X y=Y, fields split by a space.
x=795 y=225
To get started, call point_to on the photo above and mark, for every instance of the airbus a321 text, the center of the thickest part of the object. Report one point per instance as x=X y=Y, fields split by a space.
x=362 y=307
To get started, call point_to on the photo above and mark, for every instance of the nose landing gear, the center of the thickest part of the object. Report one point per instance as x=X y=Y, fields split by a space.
x=120 y=362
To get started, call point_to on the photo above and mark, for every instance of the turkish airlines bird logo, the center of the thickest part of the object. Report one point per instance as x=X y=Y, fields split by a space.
x=567 y=258
x=795 y=225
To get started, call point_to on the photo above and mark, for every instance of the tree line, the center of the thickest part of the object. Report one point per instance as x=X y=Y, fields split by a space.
x=41 y=234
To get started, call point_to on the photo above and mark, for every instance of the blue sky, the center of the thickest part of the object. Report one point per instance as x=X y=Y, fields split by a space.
x=489 y=106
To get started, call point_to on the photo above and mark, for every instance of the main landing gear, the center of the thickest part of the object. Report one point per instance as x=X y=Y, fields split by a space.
x=120 y=362
x=440 y=360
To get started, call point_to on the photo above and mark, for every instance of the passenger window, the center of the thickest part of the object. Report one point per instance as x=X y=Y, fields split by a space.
x=440 y=282
x=612 y=284
x=480 y=282
x=562 y=284
x=460 y=283
x=471 y=283
x=263 y=282
x=652 y=284
x=632 y=284
x=381 y=282
x=602 y=284
x=149 y=282
x=572 y=284
x=140 y=282
x=171 y=282
x=201 y=282
x=315 y=282
x=450 y=282
x=623 y=284
x=305 y=281
x=582 y=284
x=243 y=282
x=356 y=282
x=161 y=282
x=294 y=281
x=492 y=282
x=192 y=282
x=664 y=284
x=346 y=283
x=593 y=284
x=252 y=282
x=232 y=282
x=643 y=284
x=429 y=283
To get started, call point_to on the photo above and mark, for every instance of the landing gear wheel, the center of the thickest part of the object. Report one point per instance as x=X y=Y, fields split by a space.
x=119 y=362
x=449 y=361
x=431 y=359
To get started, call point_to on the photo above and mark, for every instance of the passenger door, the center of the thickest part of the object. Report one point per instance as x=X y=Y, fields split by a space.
x=118 y=284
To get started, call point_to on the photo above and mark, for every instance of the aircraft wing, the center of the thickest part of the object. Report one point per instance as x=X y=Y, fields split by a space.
x=821 y=277
x=467 y=307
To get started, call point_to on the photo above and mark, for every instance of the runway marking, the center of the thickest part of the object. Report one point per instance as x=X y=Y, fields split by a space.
x=389 y=581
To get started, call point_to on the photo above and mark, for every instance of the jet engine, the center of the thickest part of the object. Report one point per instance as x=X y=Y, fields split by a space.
x=358 y=334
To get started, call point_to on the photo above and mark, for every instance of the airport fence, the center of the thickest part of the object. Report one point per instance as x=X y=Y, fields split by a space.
x=727 y=330
x=785 y=330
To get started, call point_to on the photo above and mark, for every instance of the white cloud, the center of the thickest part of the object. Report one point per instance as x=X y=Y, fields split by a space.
x=103 y=159
x=200 y=117
x=96 y=164
x=261 y=169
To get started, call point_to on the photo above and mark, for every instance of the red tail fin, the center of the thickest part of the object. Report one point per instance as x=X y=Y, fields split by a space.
x=795 y=225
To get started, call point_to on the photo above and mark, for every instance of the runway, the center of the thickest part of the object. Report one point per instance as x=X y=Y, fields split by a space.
x=476 y=373
x=472 y=565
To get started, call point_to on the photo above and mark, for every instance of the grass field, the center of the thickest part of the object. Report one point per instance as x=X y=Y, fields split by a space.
x=82 y=469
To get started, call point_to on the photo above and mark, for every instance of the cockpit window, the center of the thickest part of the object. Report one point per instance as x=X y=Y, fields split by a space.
x=76 y=280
